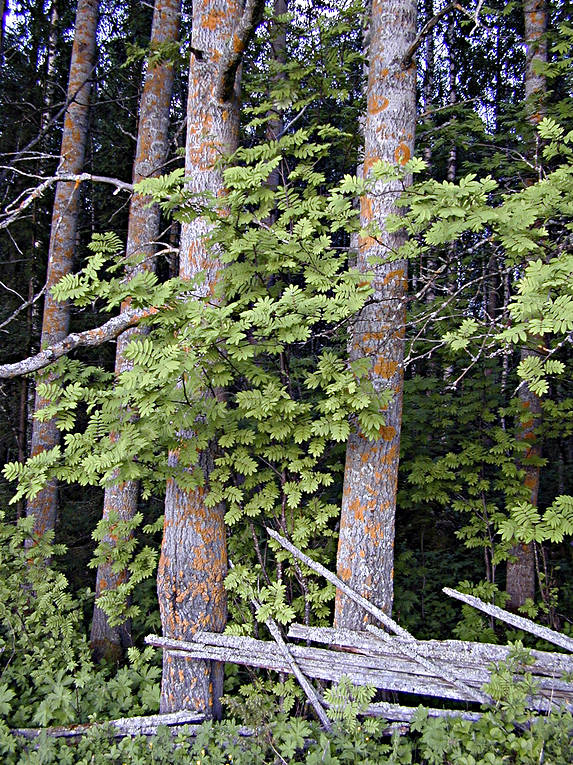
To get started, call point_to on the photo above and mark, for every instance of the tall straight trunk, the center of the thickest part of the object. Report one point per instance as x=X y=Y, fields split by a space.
x=520 y=581
x=275 y=125
x=366 y=543
x=50 y=83
x=120 y=499
x=56 y=315
x=4 y=10
x=193 y=563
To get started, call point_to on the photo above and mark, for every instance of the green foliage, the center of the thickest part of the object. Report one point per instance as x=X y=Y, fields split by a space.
x=506 y=733
x=288 y=295
x=47 y=674
x=346 y=702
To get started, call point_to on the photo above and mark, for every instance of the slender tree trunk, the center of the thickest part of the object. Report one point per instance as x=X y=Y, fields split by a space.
x=193 y=563
x=4 y=10
x=143 y=229
x=56 y=315
x=366 y=544
x=452 y=98
x=49 y=84
x=275 y=125
x=520 y=582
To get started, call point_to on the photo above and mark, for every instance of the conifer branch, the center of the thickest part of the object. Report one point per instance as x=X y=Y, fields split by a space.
x=236 y=46
x=90 y=337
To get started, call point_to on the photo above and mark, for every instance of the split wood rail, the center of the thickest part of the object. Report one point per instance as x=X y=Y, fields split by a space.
x=451 y=670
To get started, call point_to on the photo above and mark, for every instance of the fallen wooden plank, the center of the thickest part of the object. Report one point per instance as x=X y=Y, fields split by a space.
x=382 y=657
x=407 y=646
x=399 y=713
x=310 y=692
x=513 y=619
x=461 y=653
x=383 y=618
x=121 y=728
x=331 y=665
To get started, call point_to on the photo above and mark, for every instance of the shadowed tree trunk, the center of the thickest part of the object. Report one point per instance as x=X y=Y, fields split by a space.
x=56 y=315
x=520 y=582
x=366 y=543
x=193 y=563
x=120 y=500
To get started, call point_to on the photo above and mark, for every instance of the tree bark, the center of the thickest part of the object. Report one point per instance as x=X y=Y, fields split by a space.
x=120 y=499
x=193 y=562
x=366 y=542
x=56 y=315
x=520 y=578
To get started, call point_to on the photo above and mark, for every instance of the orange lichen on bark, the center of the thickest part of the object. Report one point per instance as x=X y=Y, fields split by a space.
x=385 y=368
x=213 y=19
x=377 y=104
x=387 y=432
x=402 y=153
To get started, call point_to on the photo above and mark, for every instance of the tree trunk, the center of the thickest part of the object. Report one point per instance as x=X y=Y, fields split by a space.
x=366 y=542
x=193 y=563
x=143 y=230
x=520 y=581
x=56 y=315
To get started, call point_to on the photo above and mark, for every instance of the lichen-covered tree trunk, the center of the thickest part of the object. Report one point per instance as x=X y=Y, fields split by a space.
x=143 y=229
x=366 y=543
x=520 y=581
x=56 y=315
x=193 y=561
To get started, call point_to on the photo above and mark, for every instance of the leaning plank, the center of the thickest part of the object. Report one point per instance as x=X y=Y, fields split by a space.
x=296 y=671
x=407 y=646
x=431 y=666
x=121 y=728
x=342 y=586
x=516 y=621
x=311 y=694
x=458 y=652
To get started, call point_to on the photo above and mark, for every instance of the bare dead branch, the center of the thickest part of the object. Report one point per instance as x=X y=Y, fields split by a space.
x=90 y=337
x=428 y=26
x=407 y=60
x=23 y=307
x=13 y=212
x=236 y=46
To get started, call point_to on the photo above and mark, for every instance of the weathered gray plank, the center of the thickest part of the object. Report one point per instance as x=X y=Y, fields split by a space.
x=462 y=653
x=401 y=713
x=310 y=692
x=407 y=646
x=262 y=652
x=516 y=621
x=331 y=665
x=121 y=728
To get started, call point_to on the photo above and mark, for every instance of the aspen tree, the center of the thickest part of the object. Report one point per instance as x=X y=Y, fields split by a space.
x=56 y=316
x=193 y=562
x=366 y=542
x=520 y=581
x=120 y=499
